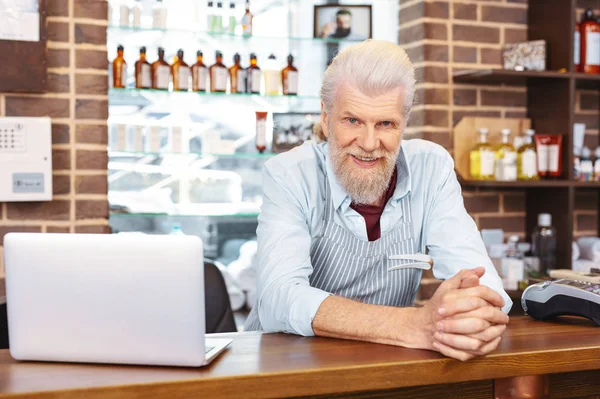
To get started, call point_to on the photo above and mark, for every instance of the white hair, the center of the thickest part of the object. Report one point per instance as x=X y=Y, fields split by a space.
x=374 y=67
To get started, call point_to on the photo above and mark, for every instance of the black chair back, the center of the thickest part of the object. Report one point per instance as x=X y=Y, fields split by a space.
x=219 y=316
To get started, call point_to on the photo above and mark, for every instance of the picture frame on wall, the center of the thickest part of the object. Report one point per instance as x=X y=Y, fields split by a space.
x=343 y=22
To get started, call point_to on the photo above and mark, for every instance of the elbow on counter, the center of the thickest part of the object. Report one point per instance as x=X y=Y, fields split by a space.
x=289 y=307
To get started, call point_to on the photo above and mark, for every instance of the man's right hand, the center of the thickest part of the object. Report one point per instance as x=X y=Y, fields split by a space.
x=463 y=319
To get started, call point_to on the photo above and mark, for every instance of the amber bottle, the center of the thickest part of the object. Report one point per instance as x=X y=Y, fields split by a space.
x=119 y=69
x=289 y=78
x=143 y=71
x=590 y=43
x=237 y=76
x=181 y=73
x=218 y=75
x=253 y=76
x=161 y=72
x=199 y=74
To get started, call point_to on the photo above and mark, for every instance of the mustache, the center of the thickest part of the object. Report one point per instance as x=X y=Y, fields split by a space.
x=363 y=154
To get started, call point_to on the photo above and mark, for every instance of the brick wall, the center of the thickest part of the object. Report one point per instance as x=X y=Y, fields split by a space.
x=77 y=102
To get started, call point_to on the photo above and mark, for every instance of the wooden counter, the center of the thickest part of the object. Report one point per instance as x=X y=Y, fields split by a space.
x=279 y=365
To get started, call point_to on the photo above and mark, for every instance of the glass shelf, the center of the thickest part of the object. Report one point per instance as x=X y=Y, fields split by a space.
x=154 y=215
x=129 y=154
x=278 y=103
x=222 y=35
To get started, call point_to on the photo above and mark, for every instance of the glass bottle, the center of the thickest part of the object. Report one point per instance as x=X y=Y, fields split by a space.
x=159 y=15
x=219 y=18
x=289 y=78
x=543 y=243
x=482 y=158
x=586 y=166
x=181 y=73
x=143 y=71
x=161 y=72
x=119 y=69
x=237 y=76
x=597 y=164
x=577 y=47
x=506 y=159
x=210 y=17
x=232 y=19
x=136 y=14
x=218 y=75
x=272 y=76
x=247 y=20
x=199 y=74
x=512 y=265
x=253 y=76
x=527 y=158
x=124 y=12
x=590 y=43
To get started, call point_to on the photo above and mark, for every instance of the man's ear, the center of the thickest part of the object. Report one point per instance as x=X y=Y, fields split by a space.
x=324 y=126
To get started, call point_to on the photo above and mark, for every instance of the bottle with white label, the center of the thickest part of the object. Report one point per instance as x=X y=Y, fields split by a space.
x=590 y=43
x=218 y=75
x=512 y=265
x=199 y=74
x=181 y=73
x=527 y=158
x=159 y=15
x=482 y=158
x=143 y=71
x=289 y=78
x=253 y=76
x=597 y=164
x=247 y=20
x=237 y=76
x=136 y=14
x=124 y=12
x=577 y=47
x=586 y=165
x=161 y=72
x=119 y=69
x=506 y=159
x=272 y=76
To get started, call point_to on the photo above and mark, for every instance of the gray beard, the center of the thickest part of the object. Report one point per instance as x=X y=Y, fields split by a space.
x=364 y=186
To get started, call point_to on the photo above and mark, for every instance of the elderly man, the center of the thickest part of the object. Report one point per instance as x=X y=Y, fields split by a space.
x=337 y=216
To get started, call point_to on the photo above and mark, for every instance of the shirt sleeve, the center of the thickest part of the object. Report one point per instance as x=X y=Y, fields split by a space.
x=452 y=237
x=287 y=302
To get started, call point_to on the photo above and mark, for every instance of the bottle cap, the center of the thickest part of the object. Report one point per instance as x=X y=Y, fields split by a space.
x=252 y=56
x=231 y=5
x=272 y=57
x=589 y=15
x=180 y=54
x=218 y=54
x=143 y=50
x=210 y=3
x=290 y=58
x=505 y=132
x=219 y=5
x=236 y=57
x=199 y=53
x=161 y=50
x=586 y=153
x=483 y=130
x=529 y=132
x=514 y=239
x=120 y=47
x=545 y=219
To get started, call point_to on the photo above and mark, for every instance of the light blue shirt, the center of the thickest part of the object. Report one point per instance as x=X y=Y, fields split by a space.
x=292 y=214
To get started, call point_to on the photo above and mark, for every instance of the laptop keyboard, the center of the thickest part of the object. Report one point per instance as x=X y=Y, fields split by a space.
x=208 y=349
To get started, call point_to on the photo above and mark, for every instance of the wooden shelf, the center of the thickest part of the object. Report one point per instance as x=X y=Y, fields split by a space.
x=501 y=76
x=528 y=184
x=586 y=81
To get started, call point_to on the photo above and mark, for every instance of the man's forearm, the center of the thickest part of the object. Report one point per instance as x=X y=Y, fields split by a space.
x=339 y=317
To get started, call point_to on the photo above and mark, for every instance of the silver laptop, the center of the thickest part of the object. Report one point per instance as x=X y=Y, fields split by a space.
x=122 y=298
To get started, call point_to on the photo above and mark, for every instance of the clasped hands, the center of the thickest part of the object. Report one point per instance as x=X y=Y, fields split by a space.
x=463 y=319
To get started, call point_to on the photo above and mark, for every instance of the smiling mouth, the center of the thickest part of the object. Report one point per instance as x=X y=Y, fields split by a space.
x=364 y=161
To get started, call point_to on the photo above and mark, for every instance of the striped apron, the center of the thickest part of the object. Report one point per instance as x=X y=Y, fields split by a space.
x=347 y=266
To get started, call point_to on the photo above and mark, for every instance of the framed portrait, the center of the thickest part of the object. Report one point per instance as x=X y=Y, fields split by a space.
x=338 y=21
x=291 y=129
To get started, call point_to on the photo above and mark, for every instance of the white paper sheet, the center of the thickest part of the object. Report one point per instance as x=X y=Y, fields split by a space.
x=19 y=25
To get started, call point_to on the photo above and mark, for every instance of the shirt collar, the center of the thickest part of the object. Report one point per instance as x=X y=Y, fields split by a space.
x=341 y=199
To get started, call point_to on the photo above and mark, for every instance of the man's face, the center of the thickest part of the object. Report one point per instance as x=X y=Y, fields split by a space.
x=364 y=135
x=344 y=21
